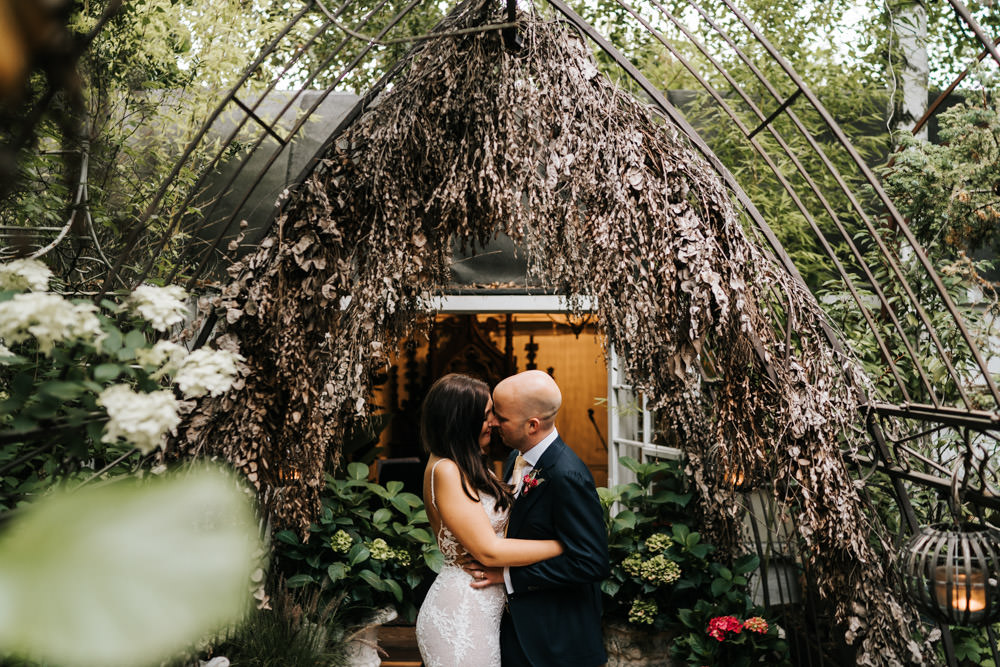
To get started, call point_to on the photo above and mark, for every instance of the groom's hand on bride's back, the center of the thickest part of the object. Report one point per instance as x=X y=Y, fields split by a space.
x=482 y=576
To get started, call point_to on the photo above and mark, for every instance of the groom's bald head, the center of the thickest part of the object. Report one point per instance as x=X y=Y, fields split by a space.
x=532 y=394
x=525 y=407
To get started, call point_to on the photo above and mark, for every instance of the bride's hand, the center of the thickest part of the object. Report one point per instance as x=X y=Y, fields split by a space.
x=483 y=576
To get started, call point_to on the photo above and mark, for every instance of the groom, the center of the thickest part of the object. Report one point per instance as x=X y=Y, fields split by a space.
x=553 y=615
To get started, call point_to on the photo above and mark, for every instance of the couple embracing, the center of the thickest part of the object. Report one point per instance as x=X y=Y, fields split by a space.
x=524 y=555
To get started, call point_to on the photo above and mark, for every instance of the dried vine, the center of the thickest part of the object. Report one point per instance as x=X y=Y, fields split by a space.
x=609 y=202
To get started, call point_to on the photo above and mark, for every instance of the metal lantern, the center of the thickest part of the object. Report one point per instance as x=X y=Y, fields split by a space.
x=950 y=572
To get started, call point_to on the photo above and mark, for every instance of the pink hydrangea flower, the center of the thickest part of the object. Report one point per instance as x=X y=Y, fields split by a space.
x=720 y=625
x=756 y=624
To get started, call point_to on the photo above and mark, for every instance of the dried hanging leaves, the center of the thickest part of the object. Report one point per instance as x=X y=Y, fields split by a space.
x=609 y=202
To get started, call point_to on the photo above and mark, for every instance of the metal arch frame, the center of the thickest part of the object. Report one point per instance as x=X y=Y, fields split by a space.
x=889 y=455
x=784 y=107
x=934 y=410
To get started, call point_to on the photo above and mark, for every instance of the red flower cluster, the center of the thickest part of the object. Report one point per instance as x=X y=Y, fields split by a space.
x=530 y=482
x=756 y=624
x=720 y=625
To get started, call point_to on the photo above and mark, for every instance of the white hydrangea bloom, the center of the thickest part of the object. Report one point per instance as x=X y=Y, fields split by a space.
x=22 y=274
x=207 y=371
x=162 y=307
x=141 y=419
x=5 y=352
x=165 y=355
x=49 y=318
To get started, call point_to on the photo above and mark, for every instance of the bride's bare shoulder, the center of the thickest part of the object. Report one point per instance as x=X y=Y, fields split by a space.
x=440 y=466
x=443 y=468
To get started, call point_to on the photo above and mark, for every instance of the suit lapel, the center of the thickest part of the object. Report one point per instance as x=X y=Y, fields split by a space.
x=524 y=502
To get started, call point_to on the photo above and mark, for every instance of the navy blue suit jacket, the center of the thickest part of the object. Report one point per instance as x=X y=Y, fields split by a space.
x=555 y=609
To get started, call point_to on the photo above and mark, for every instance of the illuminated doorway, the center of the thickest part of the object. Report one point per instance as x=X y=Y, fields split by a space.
x=490 y=337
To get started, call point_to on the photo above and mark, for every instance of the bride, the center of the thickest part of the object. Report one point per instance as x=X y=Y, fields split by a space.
x=457 y=624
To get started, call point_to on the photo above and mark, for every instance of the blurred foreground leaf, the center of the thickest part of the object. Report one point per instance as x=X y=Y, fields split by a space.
x=128 y=573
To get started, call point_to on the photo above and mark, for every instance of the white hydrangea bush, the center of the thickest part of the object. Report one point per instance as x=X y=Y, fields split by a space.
x=22 y=274
x=95 y=378
x=165 y=356
x=141 y=419
x=162 y=307
x=49 y=319
x=207 y=372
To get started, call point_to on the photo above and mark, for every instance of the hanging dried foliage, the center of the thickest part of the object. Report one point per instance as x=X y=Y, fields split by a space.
x=609 y=202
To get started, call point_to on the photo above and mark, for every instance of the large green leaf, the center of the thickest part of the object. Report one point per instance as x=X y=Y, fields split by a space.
x=630 y=463
x=63 y=391
x=434 y=559
x=394 y=588
x=421 y=535
x=411 y=499
x=107 y=372
x=746 y=563
x=606 y=495
x=700 y=550
x=300 y=580
x=287 y=536
x=372 y=580
x=125 y=574
x=400 y=503
x=357 y=471
x=337 y=571
x=720 y=586
x=624 y=521
x=358 y=554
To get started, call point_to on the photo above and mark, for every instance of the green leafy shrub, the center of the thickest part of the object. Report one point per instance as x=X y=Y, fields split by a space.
x=662 y=577
x=372 y=545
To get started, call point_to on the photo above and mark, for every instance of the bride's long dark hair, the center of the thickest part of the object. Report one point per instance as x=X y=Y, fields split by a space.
x=450 y=423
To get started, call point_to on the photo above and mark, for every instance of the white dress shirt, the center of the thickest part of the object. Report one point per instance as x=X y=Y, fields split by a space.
x=531 y=456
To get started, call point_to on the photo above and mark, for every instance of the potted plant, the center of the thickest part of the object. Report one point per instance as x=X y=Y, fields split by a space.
x=371 y=547
x=664 y=589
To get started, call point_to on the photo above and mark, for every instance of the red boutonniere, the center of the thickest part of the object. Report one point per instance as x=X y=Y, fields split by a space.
x=530 y=481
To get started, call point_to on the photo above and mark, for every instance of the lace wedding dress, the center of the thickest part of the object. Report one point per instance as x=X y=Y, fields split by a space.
x=459 y=626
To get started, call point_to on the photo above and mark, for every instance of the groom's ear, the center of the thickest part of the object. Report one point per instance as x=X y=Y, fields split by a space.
x=534 y=424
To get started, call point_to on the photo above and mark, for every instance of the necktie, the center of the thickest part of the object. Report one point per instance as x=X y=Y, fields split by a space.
x=520 y=463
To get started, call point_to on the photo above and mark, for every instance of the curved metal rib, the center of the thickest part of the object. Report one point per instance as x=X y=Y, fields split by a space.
x=918 y=252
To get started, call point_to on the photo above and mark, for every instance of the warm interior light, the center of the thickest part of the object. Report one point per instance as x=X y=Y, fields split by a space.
x=734 y=477
x=968 y=591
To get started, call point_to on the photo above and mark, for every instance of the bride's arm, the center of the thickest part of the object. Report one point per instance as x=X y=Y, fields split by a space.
x=467 y=520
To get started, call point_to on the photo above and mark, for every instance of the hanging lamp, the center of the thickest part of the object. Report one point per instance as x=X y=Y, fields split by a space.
x=951 y=570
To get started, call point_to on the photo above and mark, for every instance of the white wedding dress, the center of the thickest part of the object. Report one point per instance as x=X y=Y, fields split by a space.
x=459 y=626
